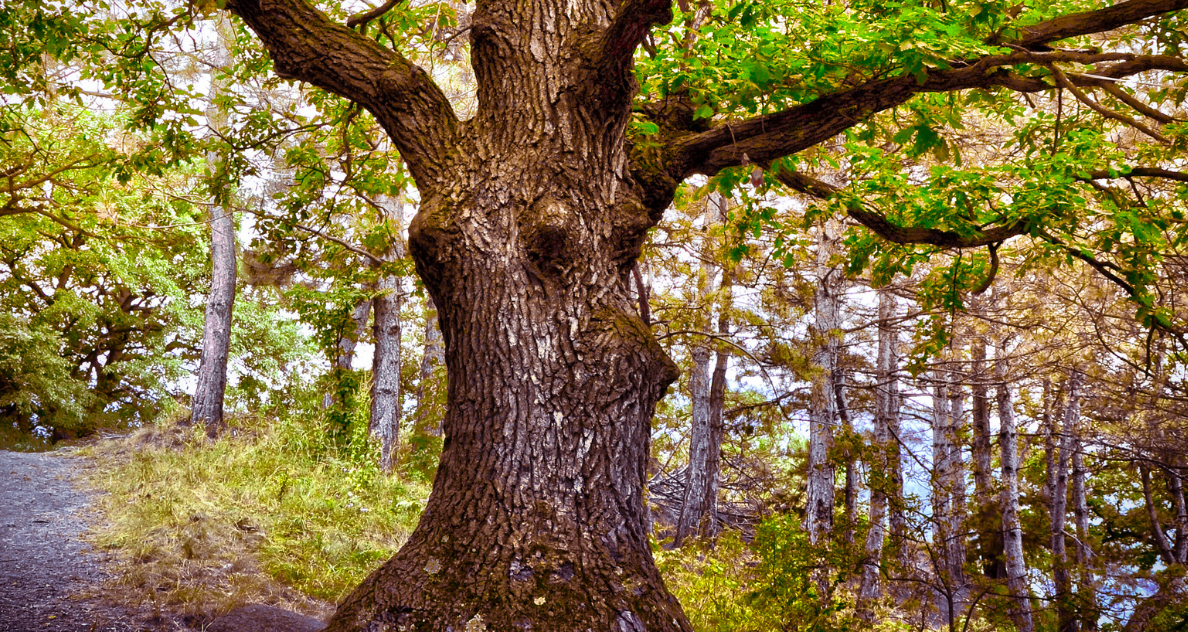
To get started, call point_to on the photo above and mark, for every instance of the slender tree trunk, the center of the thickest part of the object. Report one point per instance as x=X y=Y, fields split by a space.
x=427 y=419
x=823 y=417
x=1015 y=568
x=386 y=398
x=693 y=506
x=1050 y=453
x=884 y=465
x=896 y=507
x=386 y=404
x=1086 y=584
x=699 y=509
x=986 y=512
x=344 y=349
x=1166 y=552
x=207 y=406
x=1175 y=486
x=1061 y=578
x=850 y=494
x=948 y=496
x=956 y=486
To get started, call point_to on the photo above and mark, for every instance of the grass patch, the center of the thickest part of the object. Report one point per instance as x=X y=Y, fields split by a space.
x=271 y=513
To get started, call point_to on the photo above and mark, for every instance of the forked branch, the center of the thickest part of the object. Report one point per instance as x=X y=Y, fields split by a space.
x=306 y=45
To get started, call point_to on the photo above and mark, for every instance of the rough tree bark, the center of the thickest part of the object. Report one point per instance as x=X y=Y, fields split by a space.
x=884 y=466
x=1012 y=531
x=427 y=418
x=207 y=406
x=386 y=406
x=818 y=515
x=532 y=215
x=699 y=508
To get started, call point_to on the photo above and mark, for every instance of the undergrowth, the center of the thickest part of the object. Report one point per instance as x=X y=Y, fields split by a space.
x=272 y=512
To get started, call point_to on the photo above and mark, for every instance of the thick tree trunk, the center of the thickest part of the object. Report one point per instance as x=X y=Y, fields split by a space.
x=536 y=518
x=207 y=406
x=427 y=419
x=1061 y=578
x=530 y=221
x=1014 y=566
x=818 y=515
x=884 y=466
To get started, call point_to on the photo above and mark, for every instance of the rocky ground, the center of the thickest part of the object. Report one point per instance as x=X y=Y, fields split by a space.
x=49 y=577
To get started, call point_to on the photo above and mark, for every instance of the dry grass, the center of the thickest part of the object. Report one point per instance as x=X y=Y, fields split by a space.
x=270 y=514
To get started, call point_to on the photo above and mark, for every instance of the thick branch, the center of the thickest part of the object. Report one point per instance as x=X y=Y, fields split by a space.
x=627 y=31
x=768 y=137
x=306 y=45
x=1098 y=21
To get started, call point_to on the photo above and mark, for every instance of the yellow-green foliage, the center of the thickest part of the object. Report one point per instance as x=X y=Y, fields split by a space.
x=770 y=584
x=710 y=583
x=209 y=525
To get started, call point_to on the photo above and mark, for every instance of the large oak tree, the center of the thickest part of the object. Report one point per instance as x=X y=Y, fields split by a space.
x=532 y=215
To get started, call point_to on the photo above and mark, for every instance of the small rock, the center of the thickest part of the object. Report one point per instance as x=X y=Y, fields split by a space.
x=258 y=618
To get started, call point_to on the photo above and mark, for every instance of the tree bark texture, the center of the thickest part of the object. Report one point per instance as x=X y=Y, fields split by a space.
x=207 y=406
x=823 y=414
x=427 y=419
x=699 y=509
x=885 y=477
x=386 y=404
x=850 y=491
x=386 y=398
x=1012 y=531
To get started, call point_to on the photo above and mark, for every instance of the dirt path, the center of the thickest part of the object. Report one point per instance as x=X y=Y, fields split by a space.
x=44 y=566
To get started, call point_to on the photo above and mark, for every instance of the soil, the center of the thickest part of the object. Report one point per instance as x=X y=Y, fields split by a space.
x=49 y=576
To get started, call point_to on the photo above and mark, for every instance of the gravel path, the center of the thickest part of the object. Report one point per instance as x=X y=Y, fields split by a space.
x=44 y=566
